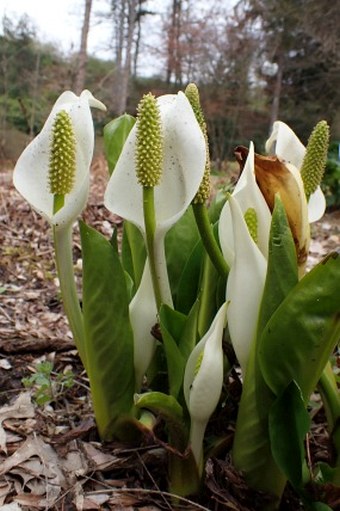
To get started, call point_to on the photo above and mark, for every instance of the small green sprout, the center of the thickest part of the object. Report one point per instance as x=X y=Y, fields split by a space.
x=48 y=386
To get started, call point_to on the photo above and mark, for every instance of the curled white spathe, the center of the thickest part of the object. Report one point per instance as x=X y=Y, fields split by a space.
x=248 y=195
x=203 y=380
x=31 y=173
x=202 y=390
x=245 y=287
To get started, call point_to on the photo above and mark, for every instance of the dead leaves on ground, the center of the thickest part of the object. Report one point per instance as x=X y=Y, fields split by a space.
x=48 y=474
x=49 y=456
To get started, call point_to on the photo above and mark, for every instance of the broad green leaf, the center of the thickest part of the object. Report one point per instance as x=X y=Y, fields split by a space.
x=179 y=333
x=282 y=271
x=209 y=286
x=289 y=423
x=251 y=449
x=172 y=325
x=189 y=335
x=133 y=252
x=189 y=280
x=115 y=135
x=300 y=336
x=109 y=337
x=179 y=243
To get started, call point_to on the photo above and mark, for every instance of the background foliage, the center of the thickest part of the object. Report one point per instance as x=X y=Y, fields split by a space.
x=254 y=63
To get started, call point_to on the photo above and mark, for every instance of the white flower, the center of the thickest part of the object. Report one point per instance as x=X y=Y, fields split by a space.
x=244 y=286
x=203 y=379
x=182 y=172
x=31 y=173
x=249 y=196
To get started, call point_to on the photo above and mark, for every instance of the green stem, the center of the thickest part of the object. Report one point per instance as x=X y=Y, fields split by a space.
x=207 y=308
x=208 y=239
x=331 y=400
x=330 y=395
x=155 y=250
x=64 y=262
x=197 y=431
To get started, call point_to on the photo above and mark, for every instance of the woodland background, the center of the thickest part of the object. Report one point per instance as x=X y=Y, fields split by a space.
x=254 y=61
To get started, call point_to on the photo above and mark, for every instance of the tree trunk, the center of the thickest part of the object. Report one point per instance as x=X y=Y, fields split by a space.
x=35 y=87
x=123 y=63
x=274 y=114
x=82 y=56
x=174 y=57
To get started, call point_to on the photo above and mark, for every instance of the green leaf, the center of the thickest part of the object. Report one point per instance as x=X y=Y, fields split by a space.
x=168 y=408
x=179 y=333
x=133 y=252
x=209 y=286
x=300 y=336
x=189 y=280
x=115 y=135
x=189 y=335
x=179 y=243
x=251 y=449
x=109 y=337
x=172 y=325
x=320 y=506
x=326 y=473
x=289 y=423
x=282 y=271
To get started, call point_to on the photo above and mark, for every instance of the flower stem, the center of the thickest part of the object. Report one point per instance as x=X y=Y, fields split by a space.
x=64 y=262
x=155 y=250
x=197 y=431
x=208 y=239
x=331 y=400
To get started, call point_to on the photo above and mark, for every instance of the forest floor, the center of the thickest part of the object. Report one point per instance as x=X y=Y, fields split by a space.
x=50 y=454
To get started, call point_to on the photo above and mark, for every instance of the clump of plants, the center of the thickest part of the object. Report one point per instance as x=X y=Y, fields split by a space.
x=192 y=276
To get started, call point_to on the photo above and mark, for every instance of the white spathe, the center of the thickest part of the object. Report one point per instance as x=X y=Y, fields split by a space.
x=248 y=195
x=245 y=286
x=203 y=379
x=31 y=173
x=184 y=157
